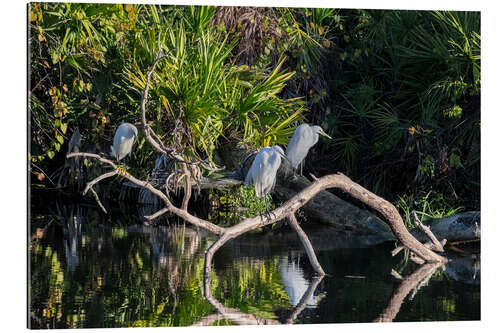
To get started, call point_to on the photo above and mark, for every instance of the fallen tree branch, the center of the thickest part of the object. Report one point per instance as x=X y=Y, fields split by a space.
x=290 y=207
x=342 y=182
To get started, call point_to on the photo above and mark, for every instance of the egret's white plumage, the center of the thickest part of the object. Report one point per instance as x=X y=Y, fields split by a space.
x=303 y=139
x=262 y=173
x=123 y=141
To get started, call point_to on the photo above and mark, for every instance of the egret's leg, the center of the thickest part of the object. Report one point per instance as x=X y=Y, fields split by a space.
x=261 y=208
x=268 y=212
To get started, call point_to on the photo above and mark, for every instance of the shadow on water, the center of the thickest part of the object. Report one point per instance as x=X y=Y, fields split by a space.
x=93 y=270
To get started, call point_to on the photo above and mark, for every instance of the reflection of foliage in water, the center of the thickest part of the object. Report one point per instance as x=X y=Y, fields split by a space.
x=253 y=286
x=136 y=276
x=120 y=282
x=123 y=274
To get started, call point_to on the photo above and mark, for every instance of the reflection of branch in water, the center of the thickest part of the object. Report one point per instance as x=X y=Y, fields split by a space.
x=236 y=316
x=292 y=277
x=306 y=298
x=412 y=282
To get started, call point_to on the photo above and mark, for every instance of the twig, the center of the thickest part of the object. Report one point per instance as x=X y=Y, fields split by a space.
x=187 y=187
x=397 y=250
x=157 y=214
x=433 y=247
x=36 y=166
x=98 y=179
x=98 y=201
x=428 y=232
x=396 y=275
x=416 y=259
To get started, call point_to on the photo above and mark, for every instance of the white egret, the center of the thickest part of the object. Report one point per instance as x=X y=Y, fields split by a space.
x=125 y=136
x=303 y=139
x=262 y=173
x=124 y=139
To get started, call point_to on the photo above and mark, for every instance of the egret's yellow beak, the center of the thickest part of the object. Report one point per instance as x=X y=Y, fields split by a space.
x=324 y=134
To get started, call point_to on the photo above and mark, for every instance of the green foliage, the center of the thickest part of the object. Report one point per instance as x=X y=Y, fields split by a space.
x=237 y=203
x=406 y=113
x=397 y=90
x=429 y=205
x=88 y=66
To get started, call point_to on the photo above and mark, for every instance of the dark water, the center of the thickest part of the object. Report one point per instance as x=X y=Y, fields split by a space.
x=94 y=270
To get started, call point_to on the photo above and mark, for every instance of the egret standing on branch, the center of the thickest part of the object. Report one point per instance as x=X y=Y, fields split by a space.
x=303 y=139
x=123 y=141
x=262 y=173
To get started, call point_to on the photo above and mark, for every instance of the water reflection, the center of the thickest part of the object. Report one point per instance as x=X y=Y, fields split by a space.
x=95 y=270
x=239 y=318
x=293 y=279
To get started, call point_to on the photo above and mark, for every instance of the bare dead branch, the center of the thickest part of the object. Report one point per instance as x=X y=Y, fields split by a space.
x=151 y=136
x=355 y=190
x=179 y=212
x=157 y=214
x=97 y=157
x=187 y=187
x=437 y=245
x=396 y=275
x=336 y=181
x=98 y=179
x=306 y=243
x=416 y=259
x=98 y=201
x=397 y=250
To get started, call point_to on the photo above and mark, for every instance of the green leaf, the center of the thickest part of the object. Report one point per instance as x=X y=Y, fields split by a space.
x=50 y=154
x=60 y=139
x=455 y=161
x=57 y=123
x=55 y=57
x=64 y=127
